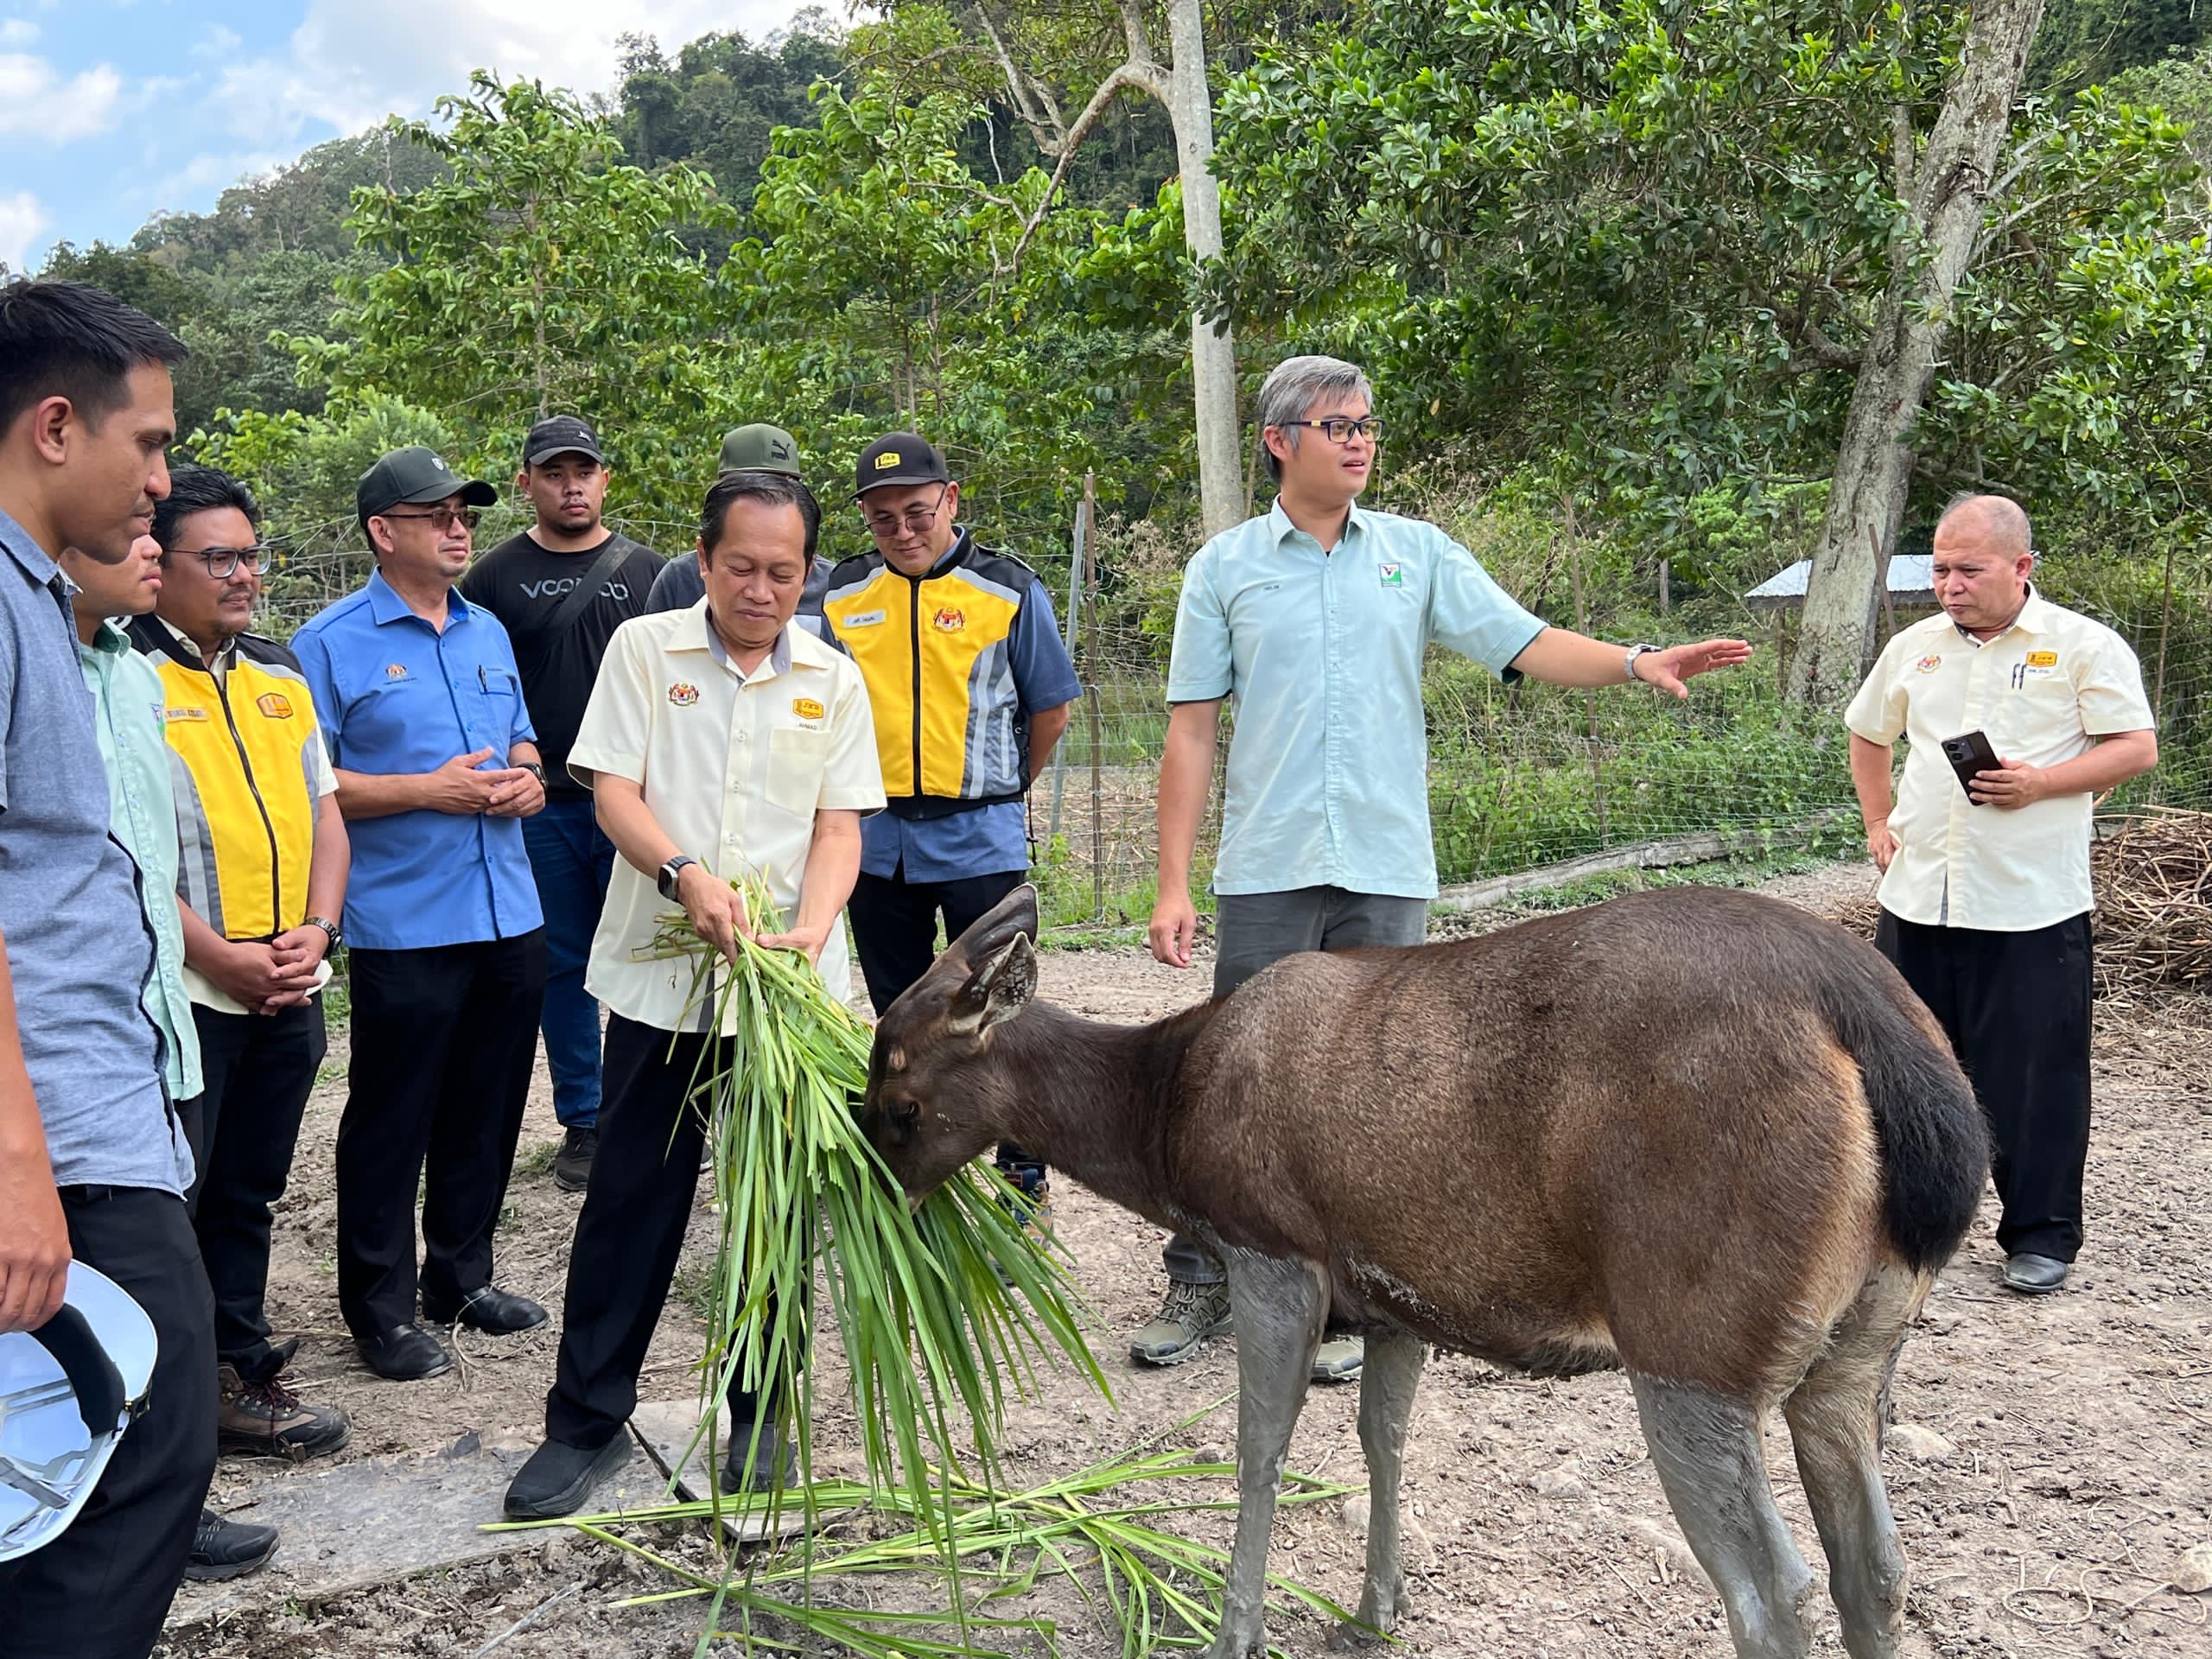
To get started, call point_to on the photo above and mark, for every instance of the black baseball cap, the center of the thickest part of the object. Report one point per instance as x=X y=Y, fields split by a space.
x=560 y=435
x=898 y=458
x=414 y=474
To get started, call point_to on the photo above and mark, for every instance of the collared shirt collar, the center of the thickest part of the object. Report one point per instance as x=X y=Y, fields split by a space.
x=705 y=638
x=27 y=552
x=108 y=640
x=2034 y=617
x=953 y=554
x=1279 y=524
x=191 y=646
x=386 y=605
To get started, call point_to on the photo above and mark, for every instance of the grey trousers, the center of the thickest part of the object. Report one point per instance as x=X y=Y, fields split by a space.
x=1253 y=930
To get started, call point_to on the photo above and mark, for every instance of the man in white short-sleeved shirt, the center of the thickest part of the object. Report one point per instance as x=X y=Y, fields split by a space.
x=1986 y=895
x=719 y=741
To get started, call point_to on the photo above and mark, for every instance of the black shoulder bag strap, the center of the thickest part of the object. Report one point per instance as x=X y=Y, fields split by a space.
x=578 y=599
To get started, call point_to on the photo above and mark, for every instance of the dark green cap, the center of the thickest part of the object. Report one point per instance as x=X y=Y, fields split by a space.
x=759 y=448
x=414 y=474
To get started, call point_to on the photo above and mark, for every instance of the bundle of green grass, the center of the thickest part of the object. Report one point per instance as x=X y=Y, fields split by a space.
x=939 y=1307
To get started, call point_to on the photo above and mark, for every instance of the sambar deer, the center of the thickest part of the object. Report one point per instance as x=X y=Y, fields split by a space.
x=1698 y=1134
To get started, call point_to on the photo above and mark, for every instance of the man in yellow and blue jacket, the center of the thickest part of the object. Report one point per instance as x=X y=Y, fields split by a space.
x=969 y=686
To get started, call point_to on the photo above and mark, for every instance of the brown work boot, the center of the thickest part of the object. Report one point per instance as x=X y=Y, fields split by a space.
x=1189 y=1315
x=268 y=1420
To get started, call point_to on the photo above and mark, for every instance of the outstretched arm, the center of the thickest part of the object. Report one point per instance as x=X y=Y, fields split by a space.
x=1561 y=657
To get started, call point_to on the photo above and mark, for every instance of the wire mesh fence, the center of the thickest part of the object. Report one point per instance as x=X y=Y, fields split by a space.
x=1521 y=777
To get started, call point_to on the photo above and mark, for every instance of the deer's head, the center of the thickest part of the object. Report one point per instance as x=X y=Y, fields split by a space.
x=937 y=1094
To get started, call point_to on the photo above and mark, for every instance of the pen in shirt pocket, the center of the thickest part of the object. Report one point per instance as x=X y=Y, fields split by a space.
x=482 y=684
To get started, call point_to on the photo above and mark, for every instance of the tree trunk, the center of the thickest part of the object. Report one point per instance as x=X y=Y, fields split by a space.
x=1213 y=353
x=1874 y=469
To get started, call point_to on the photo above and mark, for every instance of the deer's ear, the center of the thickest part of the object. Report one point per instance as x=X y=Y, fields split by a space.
x=998 y=990
x=988 y=936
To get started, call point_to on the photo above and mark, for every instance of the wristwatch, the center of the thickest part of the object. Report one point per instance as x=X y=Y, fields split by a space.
x=666 y=880
x=329 y=928
x=1635 y=652
x=533 y=769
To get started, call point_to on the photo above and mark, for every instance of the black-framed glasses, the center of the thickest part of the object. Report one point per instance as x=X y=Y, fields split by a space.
x=223 y=563
x=441 y=519
x=1338 y=428
x=915 y=519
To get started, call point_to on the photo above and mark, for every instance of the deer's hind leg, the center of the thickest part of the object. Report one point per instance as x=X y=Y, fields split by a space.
x=1278 y=1307
x=1387 y=1383
x=1705 y=1448
x=1835 y=1427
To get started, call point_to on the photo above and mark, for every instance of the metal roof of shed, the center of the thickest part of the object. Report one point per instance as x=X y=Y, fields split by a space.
x=1909 y=580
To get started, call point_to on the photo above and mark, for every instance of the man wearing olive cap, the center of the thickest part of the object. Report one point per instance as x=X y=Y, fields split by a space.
x=437 y=764
x=758 y=447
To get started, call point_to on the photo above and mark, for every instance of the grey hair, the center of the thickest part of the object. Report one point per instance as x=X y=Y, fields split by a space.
x=2000 y=513
x=1292 y=388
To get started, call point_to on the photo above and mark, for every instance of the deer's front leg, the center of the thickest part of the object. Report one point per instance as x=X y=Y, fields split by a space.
x=1279 y=1307
x=1387 y=1383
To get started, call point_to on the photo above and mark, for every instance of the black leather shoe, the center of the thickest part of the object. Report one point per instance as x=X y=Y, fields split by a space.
x=773 y=1464
x=227 y=1549
x=487 y=1308
x=406 y=1353
x=559 y=1478
x=2034 y=1275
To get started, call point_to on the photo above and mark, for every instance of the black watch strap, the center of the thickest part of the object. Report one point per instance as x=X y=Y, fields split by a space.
x=669 y=871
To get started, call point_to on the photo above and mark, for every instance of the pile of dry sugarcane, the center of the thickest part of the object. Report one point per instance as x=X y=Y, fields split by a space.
x=2153 y=883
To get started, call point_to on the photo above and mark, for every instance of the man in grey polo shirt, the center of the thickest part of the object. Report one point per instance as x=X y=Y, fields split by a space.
x=1314 y=616
x=93 y=1161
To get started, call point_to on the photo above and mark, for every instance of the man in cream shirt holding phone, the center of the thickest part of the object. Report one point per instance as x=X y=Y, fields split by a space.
x=1984 y=890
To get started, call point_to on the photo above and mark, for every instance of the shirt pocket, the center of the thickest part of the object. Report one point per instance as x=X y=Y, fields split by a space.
x=494 y=706
x=797 y=757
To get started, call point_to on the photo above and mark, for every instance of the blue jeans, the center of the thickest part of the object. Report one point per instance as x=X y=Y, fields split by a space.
x=573 y=864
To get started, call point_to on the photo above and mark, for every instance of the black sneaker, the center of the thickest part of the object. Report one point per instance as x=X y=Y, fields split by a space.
x=773 y=1465
x=559 y=1478
x=227 y=1549
x=572 y=1164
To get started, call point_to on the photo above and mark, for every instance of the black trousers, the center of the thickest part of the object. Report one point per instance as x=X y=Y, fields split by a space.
x=894 y=927
x=631 y=1232
x=101 y=1590
x=2016 y=1007
x=443 y=1040
x=244 y=1125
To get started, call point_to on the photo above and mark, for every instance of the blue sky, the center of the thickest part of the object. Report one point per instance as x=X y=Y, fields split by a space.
x=113 y=110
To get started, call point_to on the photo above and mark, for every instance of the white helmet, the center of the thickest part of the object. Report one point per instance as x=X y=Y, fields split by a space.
x=67 y=1391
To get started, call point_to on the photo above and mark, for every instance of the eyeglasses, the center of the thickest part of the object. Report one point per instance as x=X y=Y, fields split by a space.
x=883 y=524
x=223 y=563
x=1337 y=428
x=442 y=518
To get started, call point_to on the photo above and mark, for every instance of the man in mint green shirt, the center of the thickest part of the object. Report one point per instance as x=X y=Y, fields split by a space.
x=1315 y=617
x=129 y=717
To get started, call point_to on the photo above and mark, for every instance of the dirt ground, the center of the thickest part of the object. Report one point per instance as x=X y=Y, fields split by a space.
x=2052 y=1459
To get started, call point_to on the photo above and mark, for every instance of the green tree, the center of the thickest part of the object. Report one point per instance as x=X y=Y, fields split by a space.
x=539 y=273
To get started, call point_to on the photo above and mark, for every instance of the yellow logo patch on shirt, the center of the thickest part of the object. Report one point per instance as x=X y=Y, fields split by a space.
x=187 y=714
x=949 y=621
x=682 y=694
x=1928 y=664
x=807 y=708
x=2043 y=659
x=275 y=704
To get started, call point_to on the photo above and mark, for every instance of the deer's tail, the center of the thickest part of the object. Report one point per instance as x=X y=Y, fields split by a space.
x=1935 y=1145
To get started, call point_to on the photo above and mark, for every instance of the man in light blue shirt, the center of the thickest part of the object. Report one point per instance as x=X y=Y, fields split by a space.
x=1314 y=617
x=421 y=709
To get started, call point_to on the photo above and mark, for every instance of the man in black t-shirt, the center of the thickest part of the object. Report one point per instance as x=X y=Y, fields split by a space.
x=532 y=582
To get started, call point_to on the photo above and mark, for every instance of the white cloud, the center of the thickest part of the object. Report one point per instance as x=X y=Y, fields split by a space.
x=217 y=43
x=35 y=101
x=23 y=221
x=334 y=74
x=17 y=31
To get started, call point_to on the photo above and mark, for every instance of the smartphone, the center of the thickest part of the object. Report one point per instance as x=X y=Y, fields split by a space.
x=1968 y=755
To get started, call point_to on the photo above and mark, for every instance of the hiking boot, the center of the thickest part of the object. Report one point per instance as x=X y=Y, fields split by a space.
x=268 y=1420
x=227 y=1549
x=1339 y=1359
x=572 y=1164
x=1187 y=1317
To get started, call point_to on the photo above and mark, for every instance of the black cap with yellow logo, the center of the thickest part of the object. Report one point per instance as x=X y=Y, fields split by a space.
x=899 y=458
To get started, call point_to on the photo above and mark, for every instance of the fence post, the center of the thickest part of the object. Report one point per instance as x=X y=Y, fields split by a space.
x=1087 y=520
x=1076 y=549
x=1589 y=702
